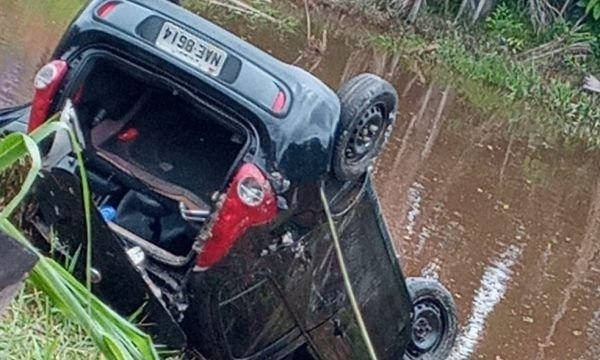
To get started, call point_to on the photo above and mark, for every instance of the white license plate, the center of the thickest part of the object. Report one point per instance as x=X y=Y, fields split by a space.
x=191 y=49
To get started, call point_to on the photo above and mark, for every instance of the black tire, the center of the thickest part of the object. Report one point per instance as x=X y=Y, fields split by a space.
x=434 y=309
x=368 y=113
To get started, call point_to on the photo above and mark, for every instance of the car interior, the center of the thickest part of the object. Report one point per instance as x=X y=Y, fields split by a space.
x=178 y=152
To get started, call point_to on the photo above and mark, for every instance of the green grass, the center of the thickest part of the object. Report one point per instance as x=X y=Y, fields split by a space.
x=32 y=328
x=549 y=105
x=55 y=11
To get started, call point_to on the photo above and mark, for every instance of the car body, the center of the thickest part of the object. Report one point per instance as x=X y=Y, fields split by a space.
x=266 y=283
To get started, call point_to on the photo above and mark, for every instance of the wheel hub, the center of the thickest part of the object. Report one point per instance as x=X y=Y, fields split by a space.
x=428 y=326
x=365 y=133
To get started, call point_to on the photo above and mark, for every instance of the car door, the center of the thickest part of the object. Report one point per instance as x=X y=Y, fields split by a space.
x=377 y=281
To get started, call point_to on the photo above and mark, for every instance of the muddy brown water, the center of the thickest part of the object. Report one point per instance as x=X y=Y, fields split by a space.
x=512 y=229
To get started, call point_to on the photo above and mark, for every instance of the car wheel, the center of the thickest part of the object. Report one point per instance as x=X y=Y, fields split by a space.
x=368 y=112
x=435 y=325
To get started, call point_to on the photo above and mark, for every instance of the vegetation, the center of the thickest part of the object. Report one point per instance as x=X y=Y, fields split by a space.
x=33 y=328
x=115 y=337
x=550 y=106
x=531 y=57
x=54 y=11
x=540 y=13
x=592 y=7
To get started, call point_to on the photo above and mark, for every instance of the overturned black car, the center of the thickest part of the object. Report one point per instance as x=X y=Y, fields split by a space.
x=207 y=159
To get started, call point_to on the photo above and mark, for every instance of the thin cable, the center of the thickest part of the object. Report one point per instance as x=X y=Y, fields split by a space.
x=348 y=285
x=354 y=201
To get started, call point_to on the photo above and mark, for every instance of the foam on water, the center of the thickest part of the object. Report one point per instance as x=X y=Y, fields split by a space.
x=491 y=291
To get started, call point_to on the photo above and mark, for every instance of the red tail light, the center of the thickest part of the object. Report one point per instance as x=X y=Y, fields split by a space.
x=47 y=82
x=279 y=102
x=106 y=9
x=249 y=202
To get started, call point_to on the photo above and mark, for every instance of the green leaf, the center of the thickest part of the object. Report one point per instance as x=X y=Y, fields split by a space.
x=116 y=349
x=18 y=146
x=137 y=315
x=12 y=150
x=50 y=351
x=72 y=261
x=590 y=5
x=596 y=13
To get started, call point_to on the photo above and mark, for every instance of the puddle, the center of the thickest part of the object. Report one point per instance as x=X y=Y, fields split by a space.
x=512 y=230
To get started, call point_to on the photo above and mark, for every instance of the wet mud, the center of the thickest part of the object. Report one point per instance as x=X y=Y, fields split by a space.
x=512 y=229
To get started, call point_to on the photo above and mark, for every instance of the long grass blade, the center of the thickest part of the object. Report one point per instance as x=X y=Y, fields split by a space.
x=50 y=127
x=11 y=150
